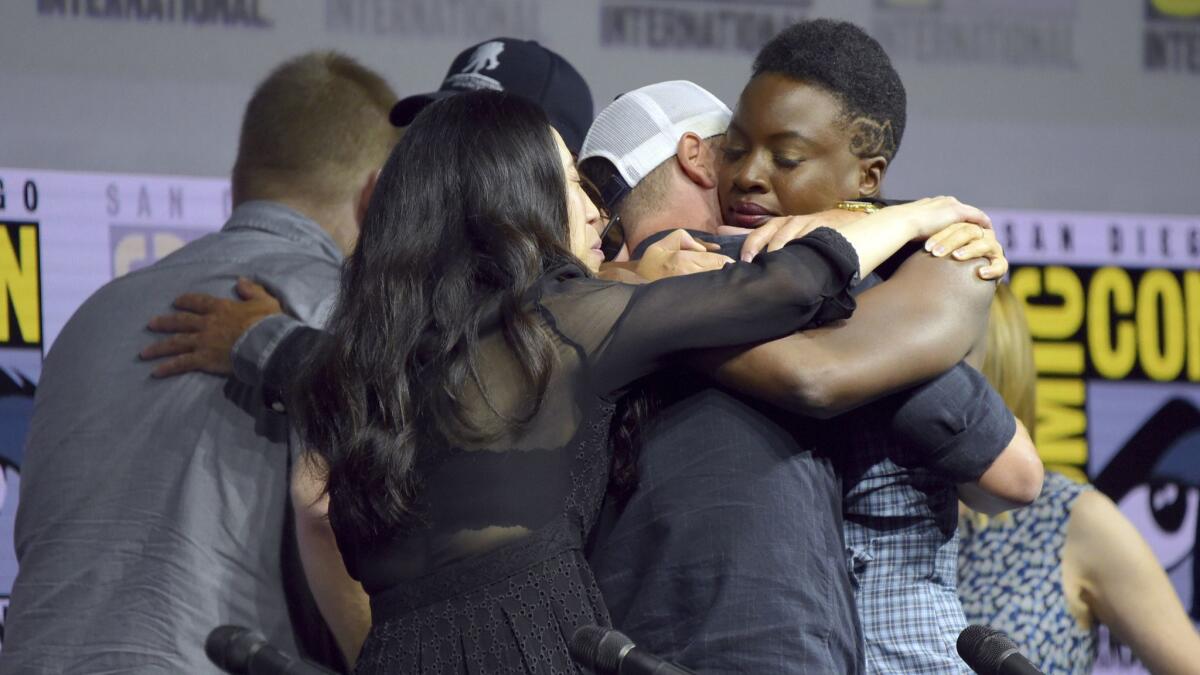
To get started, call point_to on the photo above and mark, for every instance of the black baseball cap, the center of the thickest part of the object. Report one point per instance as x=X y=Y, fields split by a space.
x=521 y=67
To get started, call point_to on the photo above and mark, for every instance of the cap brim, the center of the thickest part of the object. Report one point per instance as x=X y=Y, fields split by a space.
x=407 y=108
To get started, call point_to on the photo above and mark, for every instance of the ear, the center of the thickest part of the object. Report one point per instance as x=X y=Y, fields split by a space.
x=364 y=196
x=695 y=159
x=870 y=175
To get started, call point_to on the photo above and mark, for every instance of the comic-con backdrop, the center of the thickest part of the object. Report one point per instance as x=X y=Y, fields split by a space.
x=1083 y=114
x=1113 y=302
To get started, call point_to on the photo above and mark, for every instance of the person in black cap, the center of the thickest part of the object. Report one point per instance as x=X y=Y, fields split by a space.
x=521 y=67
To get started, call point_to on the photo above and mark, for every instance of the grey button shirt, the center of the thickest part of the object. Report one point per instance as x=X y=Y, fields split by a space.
x=151 y=510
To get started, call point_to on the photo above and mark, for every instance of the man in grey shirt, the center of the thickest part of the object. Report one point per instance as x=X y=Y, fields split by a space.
x=153 y=510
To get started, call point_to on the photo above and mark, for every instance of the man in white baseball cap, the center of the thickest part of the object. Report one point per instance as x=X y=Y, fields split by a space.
x=734 y=529
x=631 y=144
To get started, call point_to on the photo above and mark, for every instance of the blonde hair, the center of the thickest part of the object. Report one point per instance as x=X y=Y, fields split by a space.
x=1008 y=363
x=316 y=127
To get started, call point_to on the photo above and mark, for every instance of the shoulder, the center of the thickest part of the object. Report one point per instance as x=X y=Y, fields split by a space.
x=1095 y=516
x=1101 y=540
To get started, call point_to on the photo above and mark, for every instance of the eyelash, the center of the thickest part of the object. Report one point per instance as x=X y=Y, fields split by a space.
x=734 y=154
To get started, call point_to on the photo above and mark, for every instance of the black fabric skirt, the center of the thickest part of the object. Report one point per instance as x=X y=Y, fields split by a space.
x=519 y=624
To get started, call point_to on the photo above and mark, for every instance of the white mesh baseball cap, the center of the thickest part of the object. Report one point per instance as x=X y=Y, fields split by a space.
x=641 y=129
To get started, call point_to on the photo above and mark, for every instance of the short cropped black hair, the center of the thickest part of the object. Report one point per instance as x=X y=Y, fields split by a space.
x=841 y=58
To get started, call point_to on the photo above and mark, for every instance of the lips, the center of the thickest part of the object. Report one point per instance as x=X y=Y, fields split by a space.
x=748 y=214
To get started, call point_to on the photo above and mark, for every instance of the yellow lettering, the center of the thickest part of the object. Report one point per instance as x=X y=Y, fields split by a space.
x=1179 y=8
x=1162 y=362
x=1111 y=289
x=1058 y=358
x=19 y=284
x=1191 y=292
x=1061 y=422
x=129 y=251
x=1054 y=322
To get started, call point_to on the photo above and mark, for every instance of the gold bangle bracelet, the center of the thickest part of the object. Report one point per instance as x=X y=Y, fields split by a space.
x=861 y=207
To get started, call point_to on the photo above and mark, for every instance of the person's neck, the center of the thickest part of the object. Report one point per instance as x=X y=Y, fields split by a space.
x=337 y=220
x=688 y=214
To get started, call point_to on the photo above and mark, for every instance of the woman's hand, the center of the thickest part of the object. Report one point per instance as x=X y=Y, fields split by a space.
x=927 y=217
x=679 y=253
x=968 y=241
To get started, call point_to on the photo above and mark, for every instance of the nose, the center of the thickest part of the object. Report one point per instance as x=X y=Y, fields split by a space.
x=592 y=214
x=749 y=177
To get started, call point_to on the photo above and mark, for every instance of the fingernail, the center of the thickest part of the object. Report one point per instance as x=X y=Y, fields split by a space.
x=928 y=245
x=959 y=253
x=939 y=250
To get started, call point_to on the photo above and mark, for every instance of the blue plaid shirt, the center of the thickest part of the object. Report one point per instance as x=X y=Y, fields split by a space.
x=904 y=459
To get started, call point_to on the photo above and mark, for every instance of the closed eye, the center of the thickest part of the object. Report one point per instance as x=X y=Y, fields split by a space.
x=787 y=162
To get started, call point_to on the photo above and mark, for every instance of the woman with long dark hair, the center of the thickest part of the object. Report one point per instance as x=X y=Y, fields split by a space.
x=461 y=408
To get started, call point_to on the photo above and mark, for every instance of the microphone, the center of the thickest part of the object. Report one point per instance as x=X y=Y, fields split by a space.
x=241 y=651
x=610 y=652
x=990 y=652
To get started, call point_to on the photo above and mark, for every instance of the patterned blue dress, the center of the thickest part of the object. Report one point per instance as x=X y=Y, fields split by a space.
x=1010 y=576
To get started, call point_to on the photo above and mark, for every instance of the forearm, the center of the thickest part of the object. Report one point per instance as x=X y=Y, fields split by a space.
x=910 y=328
x=340 y=599
x=806 y=283
x=1012 y=481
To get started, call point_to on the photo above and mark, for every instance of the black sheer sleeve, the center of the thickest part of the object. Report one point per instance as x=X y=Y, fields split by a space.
x=281 y=368
x=626 y=331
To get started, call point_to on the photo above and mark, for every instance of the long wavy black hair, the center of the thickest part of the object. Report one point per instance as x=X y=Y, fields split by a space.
x=469 y=211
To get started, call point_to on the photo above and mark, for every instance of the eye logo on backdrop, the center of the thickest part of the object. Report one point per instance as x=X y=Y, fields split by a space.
x=1172 y=36
x=1008 y=33
x=707 y=25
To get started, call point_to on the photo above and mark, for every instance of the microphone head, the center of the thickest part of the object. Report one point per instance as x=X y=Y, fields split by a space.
x=599 y=649
x=231 y=647
x=984 y=648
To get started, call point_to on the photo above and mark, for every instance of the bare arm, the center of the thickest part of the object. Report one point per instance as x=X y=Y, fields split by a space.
x=1012 y=481
x=910 y=328
x=340 y=598
x=1117 y=576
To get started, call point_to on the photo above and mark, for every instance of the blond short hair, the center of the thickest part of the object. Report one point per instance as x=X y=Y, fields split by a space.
x=317 y=126
x=1008 y=363
x=648 y=196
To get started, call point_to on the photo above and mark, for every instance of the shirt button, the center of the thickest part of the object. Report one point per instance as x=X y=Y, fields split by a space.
x=278 y=407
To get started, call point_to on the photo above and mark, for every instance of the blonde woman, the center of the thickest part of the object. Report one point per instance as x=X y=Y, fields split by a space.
x=1049 y=573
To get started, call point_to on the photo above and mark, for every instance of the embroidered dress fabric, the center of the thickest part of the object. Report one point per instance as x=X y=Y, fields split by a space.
x=1010 y=577
x=493 y=580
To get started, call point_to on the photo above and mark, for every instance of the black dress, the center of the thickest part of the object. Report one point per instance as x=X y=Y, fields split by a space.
x=494 y=580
